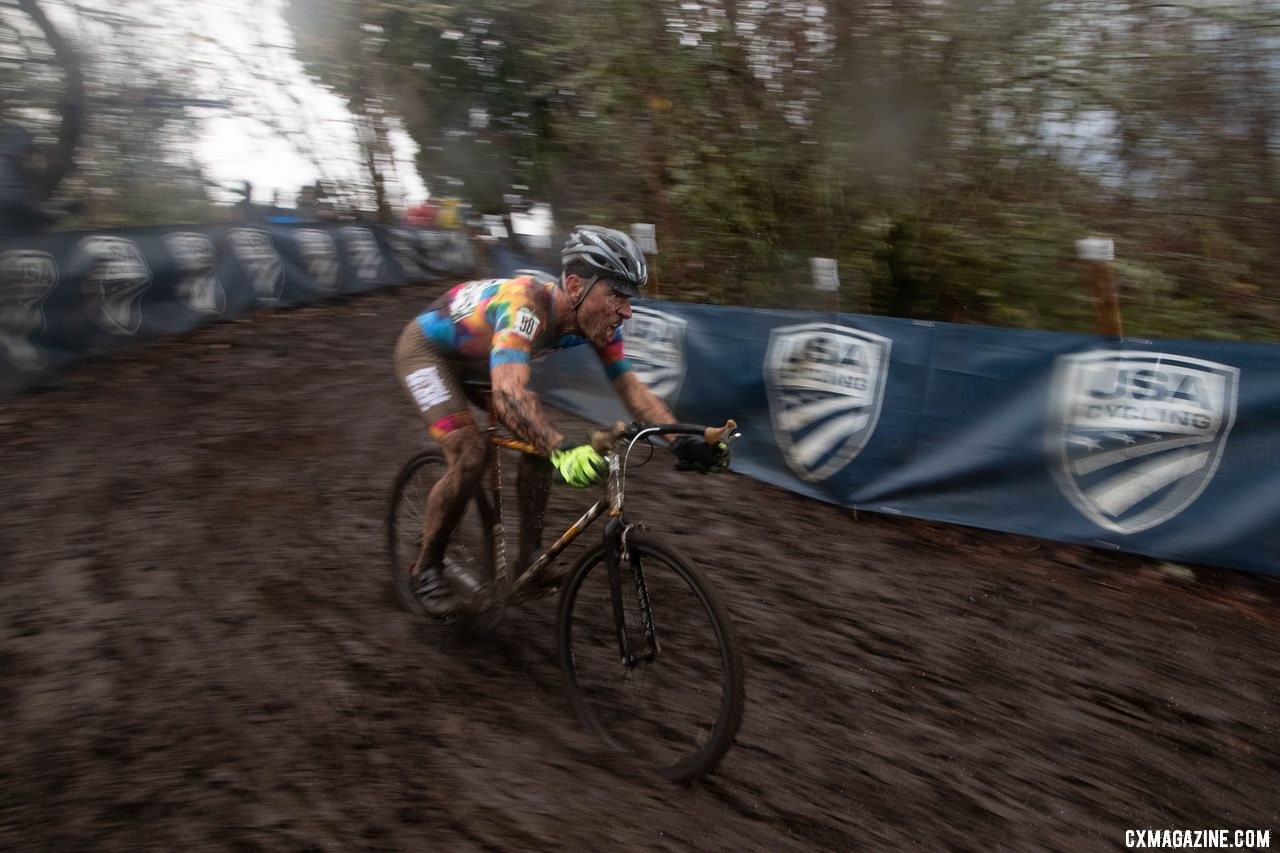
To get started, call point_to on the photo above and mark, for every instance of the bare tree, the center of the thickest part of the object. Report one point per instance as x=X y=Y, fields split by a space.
x=70 y=103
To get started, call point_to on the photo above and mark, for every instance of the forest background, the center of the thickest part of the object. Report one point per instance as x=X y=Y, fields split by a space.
x=947 y=153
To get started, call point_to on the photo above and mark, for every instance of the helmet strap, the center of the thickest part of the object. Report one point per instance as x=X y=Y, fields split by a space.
x=585 y=292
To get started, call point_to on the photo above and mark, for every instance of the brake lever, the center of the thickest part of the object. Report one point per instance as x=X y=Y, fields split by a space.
x=726 y=434
x=602 y=439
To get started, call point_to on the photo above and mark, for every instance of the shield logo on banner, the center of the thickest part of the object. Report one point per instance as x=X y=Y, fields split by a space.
x=198 y=288
x=118 y=276
x=654 y=343
x=1135 y=437
x=260 y=260
x=445 y=252
x=404 y=245
x=825 y=385
x=26 y=278
x=319 y=258
x=364 y=254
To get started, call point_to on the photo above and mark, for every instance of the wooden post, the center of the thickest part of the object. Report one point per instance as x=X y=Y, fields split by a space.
x=644 y=235
x=826 y=280
x=1097 y=254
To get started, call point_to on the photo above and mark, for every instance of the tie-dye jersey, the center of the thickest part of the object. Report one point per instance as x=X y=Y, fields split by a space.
x=505 y=320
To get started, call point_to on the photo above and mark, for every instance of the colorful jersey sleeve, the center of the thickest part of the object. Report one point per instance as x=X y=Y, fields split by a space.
x=613 y=358
x=516 y=320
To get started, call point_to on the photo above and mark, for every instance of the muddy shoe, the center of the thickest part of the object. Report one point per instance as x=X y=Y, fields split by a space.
x=434 y=593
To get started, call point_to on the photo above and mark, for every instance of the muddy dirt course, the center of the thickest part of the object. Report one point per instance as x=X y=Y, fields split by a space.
x=199 y=649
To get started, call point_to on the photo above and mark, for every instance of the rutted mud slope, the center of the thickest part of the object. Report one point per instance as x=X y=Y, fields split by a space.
x=198 y=649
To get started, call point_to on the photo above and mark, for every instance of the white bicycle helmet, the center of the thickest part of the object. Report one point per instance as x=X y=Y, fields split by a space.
x=612 y=254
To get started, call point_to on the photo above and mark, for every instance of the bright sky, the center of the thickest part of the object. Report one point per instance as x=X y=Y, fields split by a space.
x=282 y=130
x=317 y=125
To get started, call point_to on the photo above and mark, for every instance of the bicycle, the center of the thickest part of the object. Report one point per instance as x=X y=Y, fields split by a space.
x=635 y=616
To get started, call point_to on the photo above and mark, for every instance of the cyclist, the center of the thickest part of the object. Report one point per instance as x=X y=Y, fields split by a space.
x=492 y=329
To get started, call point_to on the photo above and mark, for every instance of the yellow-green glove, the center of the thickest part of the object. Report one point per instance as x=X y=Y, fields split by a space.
x=581 y=466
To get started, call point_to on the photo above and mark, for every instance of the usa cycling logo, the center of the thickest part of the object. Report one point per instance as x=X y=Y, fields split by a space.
x=445 y=252
x=118 y=276
x=26 y=278
x=825 y=386
x=364 y=254
x=198 y=288
x=1137 y=436
x=261 y=261
x=319 y=258
x=654 y=342
x=404 y=245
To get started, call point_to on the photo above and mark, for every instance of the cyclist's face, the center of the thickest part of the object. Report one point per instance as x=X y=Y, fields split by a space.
x=608 y=309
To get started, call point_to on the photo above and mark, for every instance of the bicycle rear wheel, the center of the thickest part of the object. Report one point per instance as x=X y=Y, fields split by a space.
x=677 y=708
x=468 y=556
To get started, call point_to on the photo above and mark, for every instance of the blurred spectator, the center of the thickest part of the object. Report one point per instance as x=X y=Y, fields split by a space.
x=449 y=214
x=22 y=212
x=245 y=204
x=313 y=206
x=422 y=215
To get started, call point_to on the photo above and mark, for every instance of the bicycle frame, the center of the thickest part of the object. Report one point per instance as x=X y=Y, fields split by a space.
x=615 y=537
x=611 y=503
x=615 y=534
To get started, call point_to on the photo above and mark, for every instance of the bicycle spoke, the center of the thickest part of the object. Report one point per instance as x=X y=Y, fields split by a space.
x=677 y=711
x=468 y=552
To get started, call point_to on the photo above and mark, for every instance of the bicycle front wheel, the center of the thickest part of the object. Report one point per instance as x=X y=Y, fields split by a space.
x=665 y=685
x=469 y=555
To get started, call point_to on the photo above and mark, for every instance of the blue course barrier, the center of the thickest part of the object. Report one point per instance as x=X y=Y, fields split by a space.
x=70 y=295
x=1156 y=447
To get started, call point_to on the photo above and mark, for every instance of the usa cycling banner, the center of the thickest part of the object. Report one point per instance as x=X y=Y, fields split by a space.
x=1163 y=448
x=68 y=295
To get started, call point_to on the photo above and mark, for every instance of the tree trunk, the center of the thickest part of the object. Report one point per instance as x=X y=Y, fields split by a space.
x=70 y=104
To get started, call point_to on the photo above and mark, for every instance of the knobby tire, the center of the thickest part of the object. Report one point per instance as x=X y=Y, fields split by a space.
x=699 y=661
x=471 y=543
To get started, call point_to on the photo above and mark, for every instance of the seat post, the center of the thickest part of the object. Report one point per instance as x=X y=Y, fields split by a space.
x=501 y=571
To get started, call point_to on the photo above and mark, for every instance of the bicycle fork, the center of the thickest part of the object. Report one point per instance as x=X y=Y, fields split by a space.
x=619 y=554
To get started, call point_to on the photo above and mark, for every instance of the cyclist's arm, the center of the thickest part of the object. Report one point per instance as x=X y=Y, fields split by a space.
x=644 y=405
x=519 y=407
x=516 y=322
